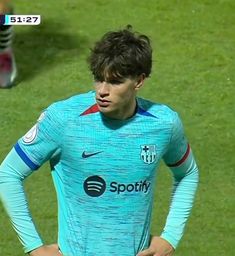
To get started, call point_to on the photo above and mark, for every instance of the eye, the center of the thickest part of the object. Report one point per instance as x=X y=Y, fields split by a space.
x=115 y=81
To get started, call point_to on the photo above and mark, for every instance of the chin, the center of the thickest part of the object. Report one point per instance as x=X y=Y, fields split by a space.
x=104 y=109
x=107 y=112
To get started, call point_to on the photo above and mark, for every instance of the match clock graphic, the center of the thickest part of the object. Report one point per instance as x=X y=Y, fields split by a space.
x=20 y=19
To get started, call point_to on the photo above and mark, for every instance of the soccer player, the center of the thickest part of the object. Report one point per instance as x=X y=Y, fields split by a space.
x=104 y=148
x=8 y=69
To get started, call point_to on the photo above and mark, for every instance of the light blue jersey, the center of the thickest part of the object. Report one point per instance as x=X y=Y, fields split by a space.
x=104 y=171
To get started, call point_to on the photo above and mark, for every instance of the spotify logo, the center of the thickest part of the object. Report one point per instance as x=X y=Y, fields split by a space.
x=94 y=186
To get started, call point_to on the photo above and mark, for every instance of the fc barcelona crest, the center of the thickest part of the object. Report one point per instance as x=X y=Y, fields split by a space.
x=148 y=153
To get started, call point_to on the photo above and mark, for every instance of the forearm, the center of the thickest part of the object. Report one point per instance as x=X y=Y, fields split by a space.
x=186 y=180
x=12 y=173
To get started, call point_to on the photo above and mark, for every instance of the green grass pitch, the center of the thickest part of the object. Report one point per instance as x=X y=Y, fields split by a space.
x=193 y=72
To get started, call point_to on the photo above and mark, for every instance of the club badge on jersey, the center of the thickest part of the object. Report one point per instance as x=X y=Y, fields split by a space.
x=148 y=153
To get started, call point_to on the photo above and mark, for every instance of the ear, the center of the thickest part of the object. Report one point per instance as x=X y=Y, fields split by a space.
x=140 y=81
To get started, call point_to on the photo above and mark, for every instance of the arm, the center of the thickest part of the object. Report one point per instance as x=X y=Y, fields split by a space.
x=179 y=158
x=185 y=184
x=30 y=152
x=13 y=171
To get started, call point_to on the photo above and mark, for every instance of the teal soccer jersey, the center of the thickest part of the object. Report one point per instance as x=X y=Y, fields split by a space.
x=104 y=171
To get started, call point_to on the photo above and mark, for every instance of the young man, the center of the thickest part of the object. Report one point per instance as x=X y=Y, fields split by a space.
x=104 y=148
x=7 y=61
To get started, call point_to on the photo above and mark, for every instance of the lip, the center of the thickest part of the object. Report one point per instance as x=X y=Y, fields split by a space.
x=103 y=103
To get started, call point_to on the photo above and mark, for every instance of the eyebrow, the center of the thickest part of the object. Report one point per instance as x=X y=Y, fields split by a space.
x=116 y=79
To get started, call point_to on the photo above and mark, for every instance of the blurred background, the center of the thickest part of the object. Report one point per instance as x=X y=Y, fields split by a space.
x=193 y=72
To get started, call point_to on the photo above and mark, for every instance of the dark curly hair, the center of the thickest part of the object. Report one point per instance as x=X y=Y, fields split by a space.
x=121 y=54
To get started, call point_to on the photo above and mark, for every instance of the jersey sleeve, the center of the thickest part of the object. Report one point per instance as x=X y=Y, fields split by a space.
x=181 y=161
x=43 y=139
x=178 y=148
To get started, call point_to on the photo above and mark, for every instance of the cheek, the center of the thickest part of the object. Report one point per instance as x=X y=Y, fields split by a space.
x=124 y=93
x=128 y=95
x=122 y=96
x=96 y=86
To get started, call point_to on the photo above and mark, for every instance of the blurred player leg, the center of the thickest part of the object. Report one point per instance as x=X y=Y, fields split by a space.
x=7 y=61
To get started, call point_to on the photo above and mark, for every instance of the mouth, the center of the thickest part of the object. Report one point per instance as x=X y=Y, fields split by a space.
x=103 y=103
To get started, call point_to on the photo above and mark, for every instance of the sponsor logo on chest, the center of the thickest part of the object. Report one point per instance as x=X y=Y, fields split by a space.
x=95 y=186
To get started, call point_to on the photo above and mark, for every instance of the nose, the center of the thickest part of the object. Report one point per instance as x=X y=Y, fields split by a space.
x=103 y=89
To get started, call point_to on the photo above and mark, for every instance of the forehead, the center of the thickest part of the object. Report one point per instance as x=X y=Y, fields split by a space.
x=110 y=75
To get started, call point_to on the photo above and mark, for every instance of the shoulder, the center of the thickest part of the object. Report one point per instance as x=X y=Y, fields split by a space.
x=73 y=105
x=162 y=112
